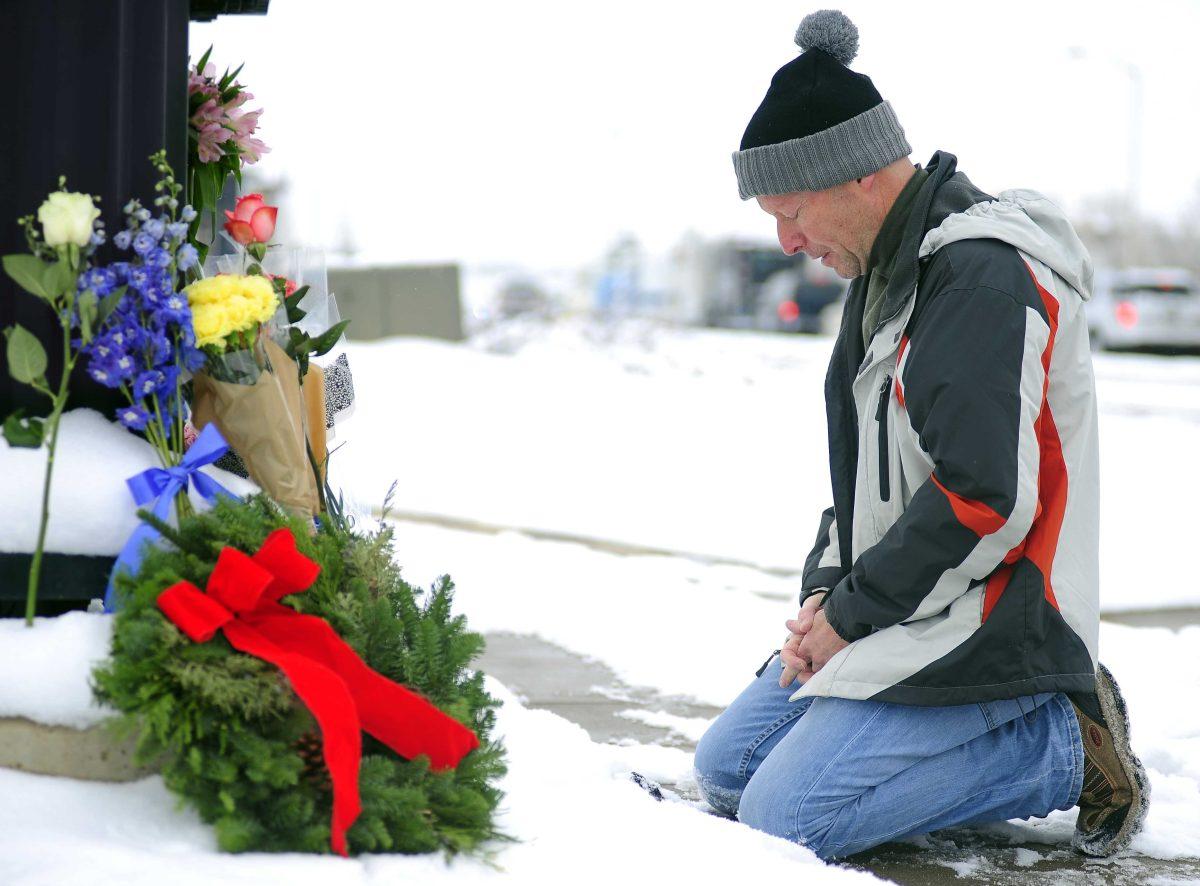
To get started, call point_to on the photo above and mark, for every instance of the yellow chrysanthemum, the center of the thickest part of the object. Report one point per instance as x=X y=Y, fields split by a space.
x=210 y=324
x=229 y=303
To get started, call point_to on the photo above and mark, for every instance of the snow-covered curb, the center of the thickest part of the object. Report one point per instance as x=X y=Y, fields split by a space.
x=45 y=670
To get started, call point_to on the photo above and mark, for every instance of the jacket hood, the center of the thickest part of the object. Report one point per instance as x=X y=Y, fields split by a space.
x=1026 y=220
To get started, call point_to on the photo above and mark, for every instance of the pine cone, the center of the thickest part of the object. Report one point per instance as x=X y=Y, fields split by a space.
x=310 y=748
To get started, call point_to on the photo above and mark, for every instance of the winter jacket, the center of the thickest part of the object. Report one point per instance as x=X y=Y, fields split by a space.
x=962 y=546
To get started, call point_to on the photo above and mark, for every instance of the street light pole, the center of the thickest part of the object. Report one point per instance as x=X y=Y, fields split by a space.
x=1135 y=134
x=1133 y=148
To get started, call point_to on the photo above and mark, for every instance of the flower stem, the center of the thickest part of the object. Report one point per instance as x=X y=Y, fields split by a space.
x=60 y=401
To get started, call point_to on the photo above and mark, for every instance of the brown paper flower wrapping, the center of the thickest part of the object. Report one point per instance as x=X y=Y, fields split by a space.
x=264 y=423
x=313 y=390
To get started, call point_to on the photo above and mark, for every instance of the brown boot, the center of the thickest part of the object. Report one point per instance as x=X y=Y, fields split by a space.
x=1116 y=792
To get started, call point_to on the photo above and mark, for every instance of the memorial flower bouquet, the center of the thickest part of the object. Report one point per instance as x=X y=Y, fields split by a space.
x=250 y=388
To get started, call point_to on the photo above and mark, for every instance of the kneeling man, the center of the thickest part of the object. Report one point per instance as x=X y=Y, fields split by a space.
x=946 y=645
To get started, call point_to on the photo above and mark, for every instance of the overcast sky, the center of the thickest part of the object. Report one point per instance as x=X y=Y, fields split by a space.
x=536 y=132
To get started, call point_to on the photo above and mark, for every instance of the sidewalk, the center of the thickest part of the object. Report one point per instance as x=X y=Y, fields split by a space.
x=588 y=693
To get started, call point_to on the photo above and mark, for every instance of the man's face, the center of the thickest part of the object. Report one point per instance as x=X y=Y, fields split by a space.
x=831 y=226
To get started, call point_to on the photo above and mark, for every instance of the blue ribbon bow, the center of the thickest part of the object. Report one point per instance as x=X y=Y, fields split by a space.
x=164 y=484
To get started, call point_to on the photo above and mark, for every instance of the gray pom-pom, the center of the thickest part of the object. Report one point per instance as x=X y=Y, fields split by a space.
x=830 y=31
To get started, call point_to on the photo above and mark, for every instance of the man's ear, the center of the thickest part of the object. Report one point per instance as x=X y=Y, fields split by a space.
x=867 y=182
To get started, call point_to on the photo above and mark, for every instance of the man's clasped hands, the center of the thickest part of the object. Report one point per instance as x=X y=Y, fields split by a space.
x=810 y=644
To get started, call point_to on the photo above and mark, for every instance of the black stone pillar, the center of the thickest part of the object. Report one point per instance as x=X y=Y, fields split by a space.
x=96 y=87
x=93 y=88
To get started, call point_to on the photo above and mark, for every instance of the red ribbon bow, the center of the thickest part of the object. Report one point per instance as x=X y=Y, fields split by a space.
x=342 y=692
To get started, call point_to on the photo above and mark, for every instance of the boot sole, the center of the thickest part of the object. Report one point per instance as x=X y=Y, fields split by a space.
x=1116 y=716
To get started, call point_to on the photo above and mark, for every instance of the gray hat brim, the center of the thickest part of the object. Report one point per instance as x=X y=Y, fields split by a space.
x=841 y=153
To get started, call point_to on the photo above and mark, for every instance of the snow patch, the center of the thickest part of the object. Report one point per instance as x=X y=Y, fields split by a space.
x=91 y=510
x=691 y=728
x=45 y=670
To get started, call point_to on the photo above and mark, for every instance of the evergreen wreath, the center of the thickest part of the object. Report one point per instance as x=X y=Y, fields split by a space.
x=234 y=741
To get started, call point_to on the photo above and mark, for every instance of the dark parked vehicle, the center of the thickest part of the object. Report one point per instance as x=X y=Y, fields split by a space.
x=758 y=287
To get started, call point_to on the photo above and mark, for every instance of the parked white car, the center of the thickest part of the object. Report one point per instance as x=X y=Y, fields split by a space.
x=1145 y=308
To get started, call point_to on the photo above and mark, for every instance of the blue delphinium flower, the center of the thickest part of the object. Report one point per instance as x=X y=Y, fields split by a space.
x=123 y=366
x=101 y=373
x=159 y=347
x=155 y=228
x=175 y=308
x=139 y=278
x=147 y=383
x=146 y=341
x=133 y=417
x=143 y=242
x=119 y=339
x=187 y=257
x=101 y=281
x=170 y=375
x=158 y=258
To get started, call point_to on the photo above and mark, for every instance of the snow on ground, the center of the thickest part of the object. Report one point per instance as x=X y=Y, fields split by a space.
x=689 y=629
x=91 y=510
x=650 y=618
x=711 y=442
x=569 y=802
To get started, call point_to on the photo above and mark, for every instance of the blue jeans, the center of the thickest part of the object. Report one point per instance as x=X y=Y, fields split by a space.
x=841 y=776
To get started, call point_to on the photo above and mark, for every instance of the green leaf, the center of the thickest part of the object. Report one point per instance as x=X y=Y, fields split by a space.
x=206 y=185
x=322 y=344
x=26 y=356
x=109 y=304
x=87 y=314
x=223 y=83
x=58 y=278
x=204 y=60
x=24 y=433
x=298 y=343
x=292 y=302
x=26 y=270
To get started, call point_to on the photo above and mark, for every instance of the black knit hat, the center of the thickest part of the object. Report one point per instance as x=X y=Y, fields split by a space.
x=820 y=124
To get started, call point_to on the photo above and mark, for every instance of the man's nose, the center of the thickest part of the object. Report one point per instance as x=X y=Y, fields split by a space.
x=791 y=240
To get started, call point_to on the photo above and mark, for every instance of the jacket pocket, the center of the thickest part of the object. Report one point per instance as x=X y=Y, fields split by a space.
x=881 y=417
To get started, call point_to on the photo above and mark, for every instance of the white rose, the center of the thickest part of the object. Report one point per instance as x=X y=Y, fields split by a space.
x=67 y=218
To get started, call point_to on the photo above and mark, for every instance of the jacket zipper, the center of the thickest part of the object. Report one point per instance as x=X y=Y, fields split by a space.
x=885 y=479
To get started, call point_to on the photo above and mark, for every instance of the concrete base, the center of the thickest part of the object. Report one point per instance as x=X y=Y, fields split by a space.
x=91 y=754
